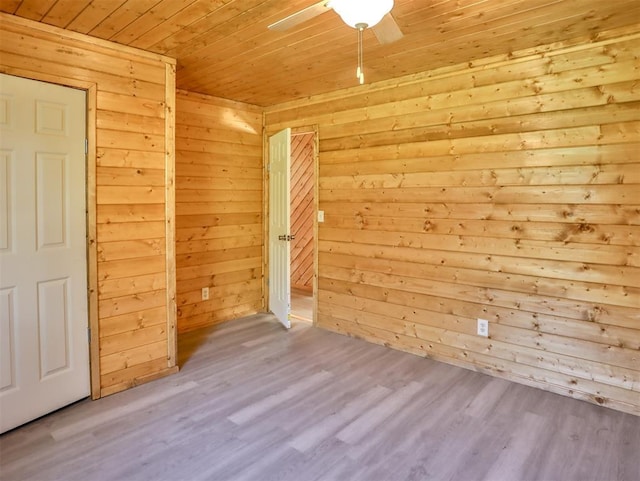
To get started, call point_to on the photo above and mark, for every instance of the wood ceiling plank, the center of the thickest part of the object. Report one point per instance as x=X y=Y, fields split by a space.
x=234 y=21
x=154 y=16
x=274 y=47
x=63 y=12
x=122 y=17
x=488 y=16
x=10 y=6
x=171 y=44
x=335 y=67
x=465 y=12
x=34 y=9
x=196 y=11
x=94 y=14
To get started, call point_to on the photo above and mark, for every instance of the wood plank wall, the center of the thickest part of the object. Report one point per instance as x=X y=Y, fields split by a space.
x=219 y=233
x=302 y=186
x=129 y=186
x=507 y=190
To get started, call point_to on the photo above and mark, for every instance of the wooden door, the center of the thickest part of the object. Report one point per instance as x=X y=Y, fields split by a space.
x=279 y=226
x=44 y=350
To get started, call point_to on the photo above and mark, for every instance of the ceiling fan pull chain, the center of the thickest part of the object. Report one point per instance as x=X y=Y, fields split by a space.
x=360 y=70
x=359 y=52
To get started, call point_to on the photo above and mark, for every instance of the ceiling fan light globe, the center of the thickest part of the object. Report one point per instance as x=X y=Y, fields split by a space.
x=358 y=12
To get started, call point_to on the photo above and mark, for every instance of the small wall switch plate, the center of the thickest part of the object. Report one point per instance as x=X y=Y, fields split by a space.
x=483 y=327
x=320 y=216
x=205 y=293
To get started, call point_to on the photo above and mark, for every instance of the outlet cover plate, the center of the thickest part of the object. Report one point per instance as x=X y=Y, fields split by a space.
x=483 y=327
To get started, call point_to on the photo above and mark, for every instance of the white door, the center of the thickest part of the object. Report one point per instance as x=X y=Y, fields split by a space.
x=279 y=225
x=44 y=351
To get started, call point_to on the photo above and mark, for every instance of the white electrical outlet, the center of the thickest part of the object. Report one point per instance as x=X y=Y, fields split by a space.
x=205 y=293
x=483 y=327
x=320 y=216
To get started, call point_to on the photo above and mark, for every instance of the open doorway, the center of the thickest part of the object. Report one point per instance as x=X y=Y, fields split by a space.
x=303 y=206
x=291 y=230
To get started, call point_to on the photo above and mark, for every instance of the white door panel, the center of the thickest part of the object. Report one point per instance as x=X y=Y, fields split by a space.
x=7 y=339
x=5 y=194
x=44 y=358
x=279 y=226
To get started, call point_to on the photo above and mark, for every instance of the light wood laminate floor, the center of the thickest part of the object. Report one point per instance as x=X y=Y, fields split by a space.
x=301 y=305
x=255 y=402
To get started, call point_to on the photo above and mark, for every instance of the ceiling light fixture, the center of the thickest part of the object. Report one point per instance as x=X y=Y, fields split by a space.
x=361 y=14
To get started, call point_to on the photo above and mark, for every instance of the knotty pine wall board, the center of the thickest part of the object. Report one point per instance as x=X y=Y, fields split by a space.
x=506 y=189
x=130 y=192
x=219 y=240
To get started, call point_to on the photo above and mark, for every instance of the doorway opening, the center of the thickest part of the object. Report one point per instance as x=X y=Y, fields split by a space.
x=303 y=207
x=291 y=207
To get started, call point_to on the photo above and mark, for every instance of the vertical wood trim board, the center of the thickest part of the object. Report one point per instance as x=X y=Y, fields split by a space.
x=265 y=216
x=507 y=190
x=316 y=190
x=170 y=212
x=219 y=236
x=92 y=244
x=302 y=209
x=130 y=168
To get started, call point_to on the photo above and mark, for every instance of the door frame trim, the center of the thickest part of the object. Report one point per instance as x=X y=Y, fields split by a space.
x=91 y=89
x=92 y=242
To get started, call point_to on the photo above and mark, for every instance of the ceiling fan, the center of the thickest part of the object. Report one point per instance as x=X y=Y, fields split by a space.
x=359 y=14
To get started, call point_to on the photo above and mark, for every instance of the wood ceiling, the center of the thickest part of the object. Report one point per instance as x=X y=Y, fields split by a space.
x=223 y=47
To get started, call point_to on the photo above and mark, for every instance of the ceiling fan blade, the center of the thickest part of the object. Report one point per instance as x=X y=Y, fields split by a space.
x=301 y=16
x=387 y=30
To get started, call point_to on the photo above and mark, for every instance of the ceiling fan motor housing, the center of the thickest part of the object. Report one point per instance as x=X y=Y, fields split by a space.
x=357 y=13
